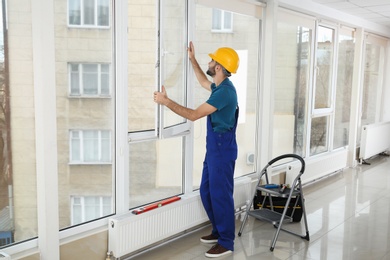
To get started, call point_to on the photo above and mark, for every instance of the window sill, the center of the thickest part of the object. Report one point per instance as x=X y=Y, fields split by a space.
x=89 y=97
x=89 y=163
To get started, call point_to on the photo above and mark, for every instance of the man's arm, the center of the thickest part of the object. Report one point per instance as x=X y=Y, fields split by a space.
x=200 y=75
x=188 y=113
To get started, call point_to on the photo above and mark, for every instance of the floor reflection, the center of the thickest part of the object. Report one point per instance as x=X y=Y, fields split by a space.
x=348 y=217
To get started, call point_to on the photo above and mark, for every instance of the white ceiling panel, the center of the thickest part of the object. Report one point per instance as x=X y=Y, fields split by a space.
x=376 y=11
x=369 y=2
x=357 y=11
x=341 y=5
x=330 y=1
x=380 y=8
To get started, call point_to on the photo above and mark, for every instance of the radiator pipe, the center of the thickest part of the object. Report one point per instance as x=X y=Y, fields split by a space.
x=109 y=254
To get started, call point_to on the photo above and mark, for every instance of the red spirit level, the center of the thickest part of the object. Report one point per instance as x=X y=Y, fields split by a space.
x=155 y=205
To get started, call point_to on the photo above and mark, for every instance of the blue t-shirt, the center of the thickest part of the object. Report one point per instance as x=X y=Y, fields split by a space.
x=224 y=99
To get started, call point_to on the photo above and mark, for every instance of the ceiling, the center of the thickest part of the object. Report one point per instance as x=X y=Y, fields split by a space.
x=377 y=11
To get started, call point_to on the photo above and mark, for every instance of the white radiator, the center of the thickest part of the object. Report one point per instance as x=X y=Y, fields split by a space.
x=375 y=139
x=321 y=166
x=128 y=233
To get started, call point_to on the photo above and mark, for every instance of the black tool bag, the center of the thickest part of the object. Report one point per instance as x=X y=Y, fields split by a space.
x=279 y=204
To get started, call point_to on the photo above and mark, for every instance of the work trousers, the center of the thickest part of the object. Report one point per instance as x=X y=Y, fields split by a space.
x=217 y=184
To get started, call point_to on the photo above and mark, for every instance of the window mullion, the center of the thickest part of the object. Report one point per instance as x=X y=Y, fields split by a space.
x=100 y=144
x=95 y=20
x=82 y=202
x=99 y=79
x=81 y=12
x=333 y=95
x=81 y=146
x=159 y=71
x=81 y=86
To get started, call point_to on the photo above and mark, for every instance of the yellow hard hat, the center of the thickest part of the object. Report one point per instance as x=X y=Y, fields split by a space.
x=227 y=57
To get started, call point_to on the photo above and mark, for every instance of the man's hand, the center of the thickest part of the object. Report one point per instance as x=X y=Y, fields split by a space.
x=203 y=81
x=191 y=51
x=191 y=114
x=161 y=97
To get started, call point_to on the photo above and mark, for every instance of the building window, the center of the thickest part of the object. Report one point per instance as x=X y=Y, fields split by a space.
x=222 y=21
x=89 y=79
x=90 y=146
x=85 y=208
x=88 y=13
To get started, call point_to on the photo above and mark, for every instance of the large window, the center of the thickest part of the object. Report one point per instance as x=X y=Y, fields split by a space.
x=373 y=79
x=346 y=51
x=18 y=164
x=65 y=61
x=155 y=174
x=327 y=123
x=292 y=78
x=322 y=110
x=85 y=121
x=246 y=42
x=157 y=56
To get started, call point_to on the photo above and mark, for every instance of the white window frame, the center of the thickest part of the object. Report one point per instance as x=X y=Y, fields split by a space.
x=329 y=111
x=81 y=86
x=96 y=15
x=83 y=208
x=222 y=21
x=82 y=147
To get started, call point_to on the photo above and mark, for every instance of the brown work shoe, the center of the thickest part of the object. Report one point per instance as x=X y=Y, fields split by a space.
x=210 y=239
x=217 y=251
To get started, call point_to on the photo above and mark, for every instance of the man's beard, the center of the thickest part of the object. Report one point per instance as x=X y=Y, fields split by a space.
x=211 y=72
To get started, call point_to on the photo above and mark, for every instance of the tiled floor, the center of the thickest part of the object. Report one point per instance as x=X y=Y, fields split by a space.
x=348 y=217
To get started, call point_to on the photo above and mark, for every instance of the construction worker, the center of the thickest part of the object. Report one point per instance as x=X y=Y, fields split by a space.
x=221 y=109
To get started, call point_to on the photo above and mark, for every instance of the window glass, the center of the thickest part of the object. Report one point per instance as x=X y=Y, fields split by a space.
x=173 y=54
x=346 y=50
x=142 y=64
x=319 y=135
x=157 y=56
x=323 y=108
x=18 y=181
x=75 y=155
x=104 y=79
x=89 y=13
x=85 y=126
x=324 y=67
x=227 y=21
x=74 y=9
x=373 y=78
x=74 y=79
x=293 y=55
x=217 y=18
x=155 y=170
x=90 y=76
x=246 y=42
x=371 y=100
x=103 y=12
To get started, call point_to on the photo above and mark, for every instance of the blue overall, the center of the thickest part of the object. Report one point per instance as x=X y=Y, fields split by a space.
x=216 y=188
